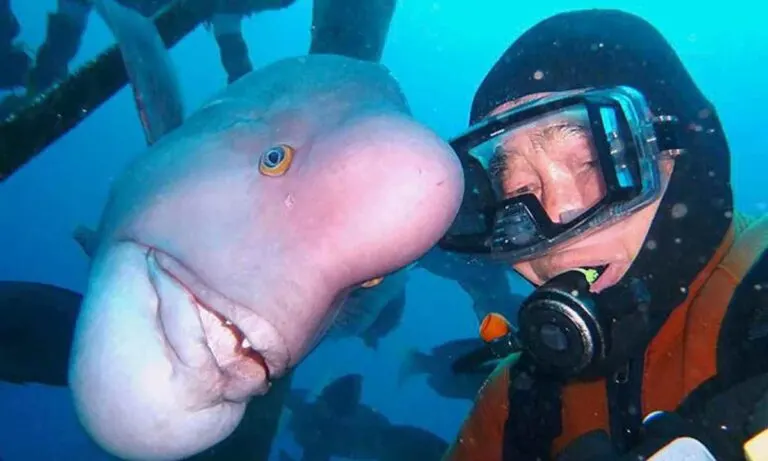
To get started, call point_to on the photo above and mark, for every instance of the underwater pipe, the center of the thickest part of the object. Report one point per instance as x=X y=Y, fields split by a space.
x=49 y=115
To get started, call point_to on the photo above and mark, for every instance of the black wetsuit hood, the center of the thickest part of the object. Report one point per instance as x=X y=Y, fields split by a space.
x=605 y=48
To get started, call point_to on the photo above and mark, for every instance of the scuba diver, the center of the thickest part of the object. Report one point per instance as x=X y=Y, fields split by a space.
x=599 y=171
x=16 y=61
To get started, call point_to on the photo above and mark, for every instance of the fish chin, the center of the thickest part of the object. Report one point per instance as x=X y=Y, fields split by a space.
x=135 y=395
x=157 y=372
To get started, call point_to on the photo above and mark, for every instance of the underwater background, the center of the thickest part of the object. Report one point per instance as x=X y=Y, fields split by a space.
x=438 y=51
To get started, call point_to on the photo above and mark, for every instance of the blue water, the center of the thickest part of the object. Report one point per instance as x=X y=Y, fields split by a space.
x=439 y=51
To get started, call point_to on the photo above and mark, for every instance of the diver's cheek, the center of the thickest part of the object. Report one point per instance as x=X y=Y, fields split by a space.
x=635 y=235
x=533 y=271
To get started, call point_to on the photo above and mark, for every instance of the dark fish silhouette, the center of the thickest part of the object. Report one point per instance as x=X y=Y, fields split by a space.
x=438 y=363
x=336 y=423
x=37 y=323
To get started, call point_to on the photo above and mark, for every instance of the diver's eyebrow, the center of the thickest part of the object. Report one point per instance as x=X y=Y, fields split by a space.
x=560 y=130
x=498 y=163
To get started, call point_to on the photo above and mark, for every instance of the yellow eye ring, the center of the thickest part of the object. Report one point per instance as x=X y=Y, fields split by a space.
x=372 y=282
x=276 y=160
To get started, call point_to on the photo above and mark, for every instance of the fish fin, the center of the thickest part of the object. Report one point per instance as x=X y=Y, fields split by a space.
x=353 y=318
x=357 y=313
x=87 y=238
x=388 y=321
x=342 y=396
x=153 y=78
x=411 y=365
x=366 y=305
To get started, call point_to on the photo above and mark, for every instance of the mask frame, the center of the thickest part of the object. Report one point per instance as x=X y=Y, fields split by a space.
x=619 y=118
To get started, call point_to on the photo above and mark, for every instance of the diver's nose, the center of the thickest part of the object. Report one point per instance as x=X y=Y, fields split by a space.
x=562 y=199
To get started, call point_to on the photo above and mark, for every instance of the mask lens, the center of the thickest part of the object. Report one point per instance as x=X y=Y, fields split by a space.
x=553 y=157
x=544 y=173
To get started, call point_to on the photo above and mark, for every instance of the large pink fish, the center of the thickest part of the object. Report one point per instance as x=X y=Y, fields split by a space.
x=227 y=248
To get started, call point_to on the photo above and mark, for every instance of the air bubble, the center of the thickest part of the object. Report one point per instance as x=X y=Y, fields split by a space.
x=679 y=210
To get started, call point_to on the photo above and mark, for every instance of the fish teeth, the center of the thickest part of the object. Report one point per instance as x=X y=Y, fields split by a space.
x=245 y=344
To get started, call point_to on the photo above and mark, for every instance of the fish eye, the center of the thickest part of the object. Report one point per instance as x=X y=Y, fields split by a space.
x=276 y=160
x=372 y=282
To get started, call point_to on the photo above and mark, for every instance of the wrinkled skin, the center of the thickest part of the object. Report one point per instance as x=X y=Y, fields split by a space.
x=194 y=234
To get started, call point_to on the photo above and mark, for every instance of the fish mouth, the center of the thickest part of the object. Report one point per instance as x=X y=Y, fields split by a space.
x=248 y=350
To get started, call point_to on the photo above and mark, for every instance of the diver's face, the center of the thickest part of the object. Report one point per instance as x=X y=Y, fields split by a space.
x=554 y=159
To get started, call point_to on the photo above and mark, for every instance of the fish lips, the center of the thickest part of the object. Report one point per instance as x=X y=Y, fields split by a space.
x=248 y=349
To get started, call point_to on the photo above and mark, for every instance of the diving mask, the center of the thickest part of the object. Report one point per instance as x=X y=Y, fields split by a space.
x=604 y=142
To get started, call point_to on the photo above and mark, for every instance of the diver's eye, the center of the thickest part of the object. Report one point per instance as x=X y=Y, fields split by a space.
x=372 y=282
x=276 y=160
